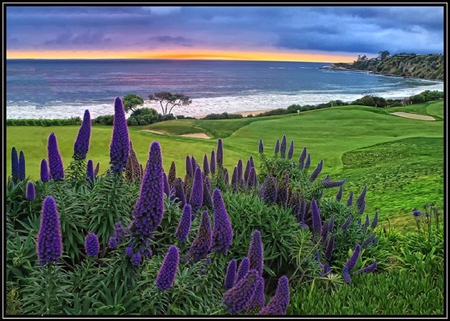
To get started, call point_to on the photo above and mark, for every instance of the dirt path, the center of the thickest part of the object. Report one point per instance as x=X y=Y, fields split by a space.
x=195 y=135
x=414 y=116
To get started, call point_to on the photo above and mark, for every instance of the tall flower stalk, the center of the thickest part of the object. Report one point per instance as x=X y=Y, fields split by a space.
x=120 y=141
x=222 y=236
x=55 y=162
x=14 y=165
x=168 y=270
x=81 y=145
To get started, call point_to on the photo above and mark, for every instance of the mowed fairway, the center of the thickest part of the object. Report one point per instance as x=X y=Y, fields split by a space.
x=327 y=133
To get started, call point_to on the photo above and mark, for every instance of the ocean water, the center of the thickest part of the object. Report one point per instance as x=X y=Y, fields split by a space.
x=65 y=88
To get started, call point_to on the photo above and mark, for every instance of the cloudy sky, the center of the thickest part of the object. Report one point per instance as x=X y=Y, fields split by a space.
x=296 y=33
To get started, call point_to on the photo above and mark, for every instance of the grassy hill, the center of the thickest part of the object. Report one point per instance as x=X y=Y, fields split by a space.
x=400 y=159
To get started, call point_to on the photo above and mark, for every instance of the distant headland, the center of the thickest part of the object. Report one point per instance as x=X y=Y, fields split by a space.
x=408 y=65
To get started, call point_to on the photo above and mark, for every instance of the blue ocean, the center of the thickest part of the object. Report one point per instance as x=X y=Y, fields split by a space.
x=65 y=88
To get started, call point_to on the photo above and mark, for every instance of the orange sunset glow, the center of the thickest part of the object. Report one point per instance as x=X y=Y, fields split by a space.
x=206 y=55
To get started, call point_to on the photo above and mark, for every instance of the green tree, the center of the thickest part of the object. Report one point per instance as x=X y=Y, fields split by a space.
x=168 y=101
x=131 y=101
x=384 y=54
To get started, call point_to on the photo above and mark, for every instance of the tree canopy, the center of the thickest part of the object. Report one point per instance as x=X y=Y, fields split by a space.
x=131 y=101
x=168 y=100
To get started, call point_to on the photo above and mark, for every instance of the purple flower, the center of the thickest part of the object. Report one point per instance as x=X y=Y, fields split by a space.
x=277 y=146
x=21 y=166
x=225 y=177
x=361 y=197
x=367 y=221
x=91 y=244
x=129 y=250
x=351 y=262
x=257 y=300
x=236 y=298
x=54 y=159
x=283 y=191
x=330 y=184
x=361 y=207
x=329 y=249
x=339 y=194
x=261 y=146
x=247 y=171
x=324 y=233
x=256 y=253
x=184 y=225
x=347 y=222
x=252 y=178
x=308 y=161
x=172 y=174
x=136 y=259
x=331 y=223
x=119 y=232
x=212 y=165
x=242 y=270
x=219 y=155
x=374 y=221
x=44 y=171
x=291 y=150
x=283 y=147
x=189 y=169
x=369 y=268
x=179 y=192
x=234 y=180
x=168 y=270
x=112 y=242
x=301 y=160
x=203 y=242
x=194 y=165
x=90 y=170
x=350 y=199
x=14 y=165
x=223 y=233
x=316 y=220
x=346 y=275
x=166 y=187
x=279 y=302
x=49 y=240
x=31 y=191
x=316 y=171
x=196 y=197
x=230 y=275
x=368 y=240
x=416 y=213
x=207 y=201
x=120 y=141
x=239 y=170
x=149 y=207
x=205 y=165
x=81 y=145
x=97 y=168
x=269 y=191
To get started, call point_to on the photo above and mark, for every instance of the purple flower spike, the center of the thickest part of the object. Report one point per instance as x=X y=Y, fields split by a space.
x=223 y=233
x=91 y=244
x=361 y=197
x=374 y=221
x=236 y=298
x=247 y=171
x=277 y=146
x=416 y=213
x=90 y=170
x=219 y=155
x=21 y=166
x=31 y=191
x=329 y=249
x=269 y=191
x=119 y=232
x=234 y=180
x=316 y=171
x=205 y=165
x=184 y=225
x=339 y=194
x=172 y=174
x=212 y=165
x=346 y=275
x=207 y=200
x=256 y=253
x=194 y=164
x=149 y=207
x=257 y=300
x=369 y=268
x=196 y=197
x=283 y=147
x=203 y=242
x=81 y=145
x=230 y=275
x=189 y=170
x=350 y=199
x=242 y=270
x=14 y=165
x=112 y=242
x=119 y=149
x=301 y=160
x=252 y=178
x=316 y=220
x=361 y=207
x=367 y=221
x=280 y=301
x=49 y=240
x=136 y=259
x=261 y=146
x=354 y=258
x=179 y=192
x=291 y=150
x=54 y=159
x=331 y=223
x=168 y=270
x=347 y=222
x=329 y=184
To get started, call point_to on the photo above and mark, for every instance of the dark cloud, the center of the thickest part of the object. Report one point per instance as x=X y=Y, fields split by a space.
x=352 y=29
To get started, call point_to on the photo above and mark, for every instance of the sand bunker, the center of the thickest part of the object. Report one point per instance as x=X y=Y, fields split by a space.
x=195 y=135
x=414 y=116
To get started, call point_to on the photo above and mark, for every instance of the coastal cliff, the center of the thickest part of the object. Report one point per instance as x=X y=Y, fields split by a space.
x=430 y=67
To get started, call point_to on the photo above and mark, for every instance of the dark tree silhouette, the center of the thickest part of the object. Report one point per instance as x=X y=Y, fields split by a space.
x=131 y=101
x=168 y=101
